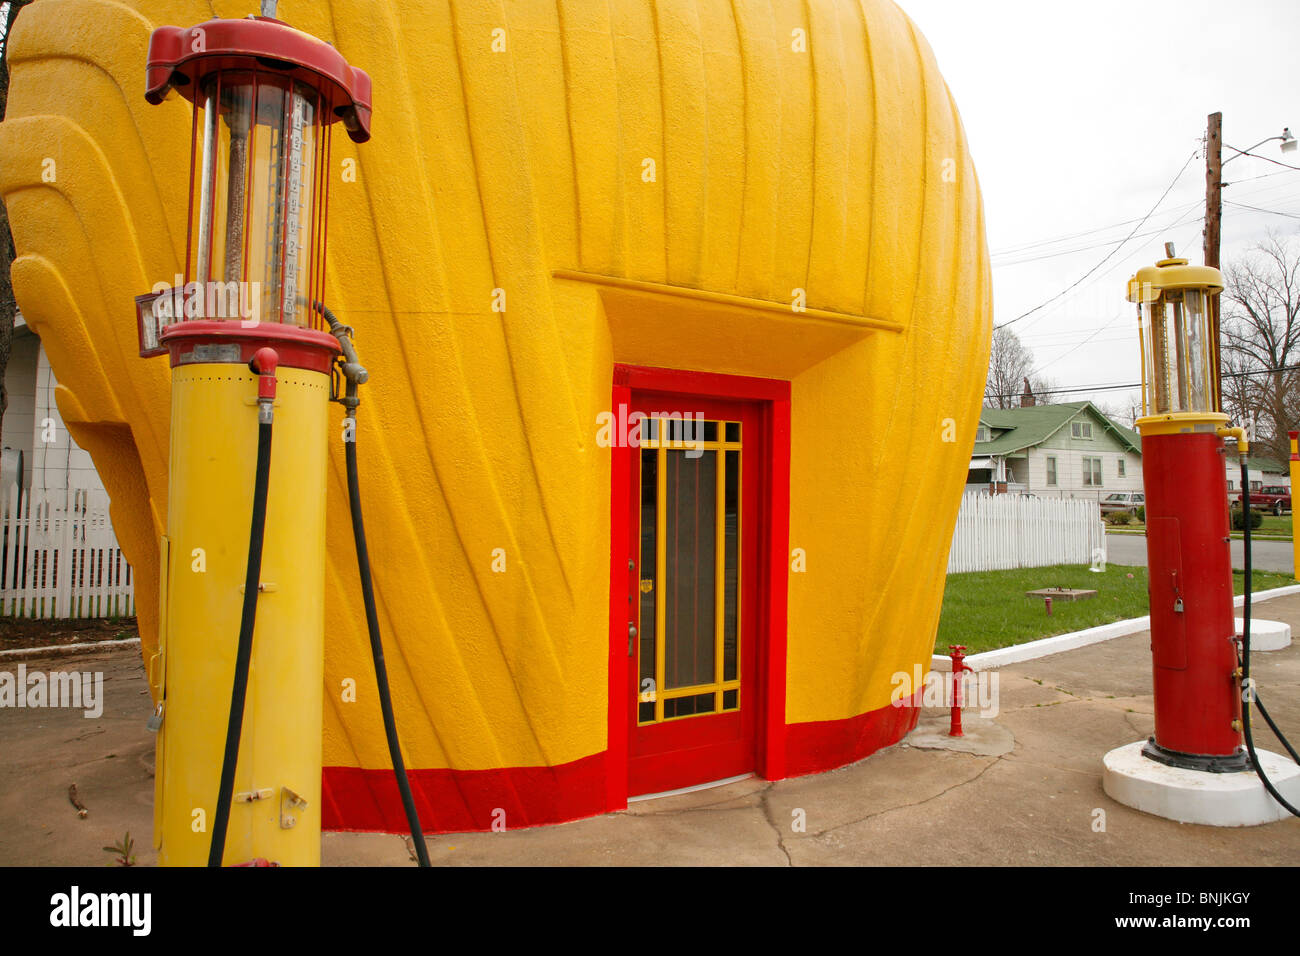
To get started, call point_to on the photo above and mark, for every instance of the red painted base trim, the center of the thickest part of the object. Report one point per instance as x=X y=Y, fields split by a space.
x=456 y=801
x=826 y=744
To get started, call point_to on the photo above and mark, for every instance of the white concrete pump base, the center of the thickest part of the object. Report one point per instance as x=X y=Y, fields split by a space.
x=1267 y=636
x=1194 y=796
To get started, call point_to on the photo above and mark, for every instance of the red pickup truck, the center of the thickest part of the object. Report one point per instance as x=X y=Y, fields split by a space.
x=1274 y=498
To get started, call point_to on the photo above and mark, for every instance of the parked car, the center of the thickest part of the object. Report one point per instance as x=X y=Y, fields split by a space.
x=1128 y=501
x=1274 y=498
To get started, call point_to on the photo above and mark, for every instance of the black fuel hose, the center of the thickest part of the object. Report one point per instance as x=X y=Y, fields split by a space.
x=377 y=652
x=1253 y=695
x=244 y=652
x=355 y=374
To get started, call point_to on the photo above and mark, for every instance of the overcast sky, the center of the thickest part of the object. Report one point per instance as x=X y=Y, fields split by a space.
x=1079 y=115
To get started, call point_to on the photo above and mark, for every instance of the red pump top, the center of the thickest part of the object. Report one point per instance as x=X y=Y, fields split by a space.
x=180 y=57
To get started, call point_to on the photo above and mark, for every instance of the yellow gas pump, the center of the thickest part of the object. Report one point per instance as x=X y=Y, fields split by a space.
x=239 y=720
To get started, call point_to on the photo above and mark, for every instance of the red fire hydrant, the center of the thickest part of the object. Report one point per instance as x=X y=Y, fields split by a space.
x=958 y=666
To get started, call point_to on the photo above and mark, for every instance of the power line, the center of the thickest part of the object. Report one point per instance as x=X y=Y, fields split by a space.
x=1023 y=247
x=1271 y=212
x=1097 y=245
x=1108 y=255
x=1175 y=225
x=1168 y=230
x=1065 y=390
x=1275 y=162
x=1249 y=179
x=1080 y=345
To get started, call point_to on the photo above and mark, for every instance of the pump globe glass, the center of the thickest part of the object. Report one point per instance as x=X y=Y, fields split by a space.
x=1177 y=348
x=256 y=224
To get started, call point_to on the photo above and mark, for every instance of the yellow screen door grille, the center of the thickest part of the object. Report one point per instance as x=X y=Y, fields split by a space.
x=689 y=660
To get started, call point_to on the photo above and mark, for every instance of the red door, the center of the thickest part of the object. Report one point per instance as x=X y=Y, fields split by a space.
x=693 y=502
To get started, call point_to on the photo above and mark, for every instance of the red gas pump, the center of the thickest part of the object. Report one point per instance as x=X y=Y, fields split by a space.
x=1194 y=658
x=1194 y=768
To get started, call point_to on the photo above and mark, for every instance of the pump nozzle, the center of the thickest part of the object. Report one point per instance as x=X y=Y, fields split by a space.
x=353 y=370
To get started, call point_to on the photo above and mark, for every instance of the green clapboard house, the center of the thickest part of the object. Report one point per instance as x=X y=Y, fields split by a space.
x=1070 y=450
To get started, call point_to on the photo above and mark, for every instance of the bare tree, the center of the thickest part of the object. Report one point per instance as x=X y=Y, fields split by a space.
x=1260 y=306
x=1242 y=394
x=1122 y=411
x=1011 y=374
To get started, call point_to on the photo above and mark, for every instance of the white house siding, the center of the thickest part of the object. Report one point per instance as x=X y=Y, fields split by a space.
x=58 y=462
x=17 y=430
x=1257 y=479
x=1069 y=454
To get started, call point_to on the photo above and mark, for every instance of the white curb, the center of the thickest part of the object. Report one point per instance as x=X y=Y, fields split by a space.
x=1092 y=635
x=64 y=650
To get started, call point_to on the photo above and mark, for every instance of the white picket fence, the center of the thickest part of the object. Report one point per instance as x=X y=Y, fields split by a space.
x=996 y=532
x=61 y=558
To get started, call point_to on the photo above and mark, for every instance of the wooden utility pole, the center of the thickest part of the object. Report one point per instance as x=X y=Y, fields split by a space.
x=1213 y=212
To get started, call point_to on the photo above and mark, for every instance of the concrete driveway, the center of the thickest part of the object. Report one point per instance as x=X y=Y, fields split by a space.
x=1266 y=555
x=1036 y=804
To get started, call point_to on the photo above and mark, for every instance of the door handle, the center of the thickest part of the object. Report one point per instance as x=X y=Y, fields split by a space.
x=631 y=636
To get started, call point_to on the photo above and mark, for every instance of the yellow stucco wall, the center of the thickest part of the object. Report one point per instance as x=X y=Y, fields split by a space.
x=836 y=165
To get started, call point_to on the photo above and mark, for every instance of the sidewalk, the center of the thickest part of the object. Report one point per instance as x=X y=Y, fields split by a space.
x=1035 y=805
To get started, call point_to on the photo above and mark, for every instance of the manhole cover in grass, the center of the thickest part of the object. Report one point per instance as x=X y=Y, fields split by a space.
x=1063 y=594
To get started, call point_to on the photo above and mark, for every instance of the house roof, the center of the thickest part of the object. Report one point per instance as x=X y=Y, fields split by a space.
x=1270 y=465
x=1029 y=427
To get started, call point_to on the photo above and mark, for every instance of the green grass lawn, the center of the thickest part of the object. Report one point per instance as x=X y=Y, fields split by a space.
x=1277 y=527
x=985 y=610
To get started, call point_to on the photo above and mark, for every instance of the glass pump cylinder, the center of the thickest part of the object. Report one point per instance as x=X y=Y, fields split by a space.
x=1176 y=305
x=1176 y=342
x=256 y=233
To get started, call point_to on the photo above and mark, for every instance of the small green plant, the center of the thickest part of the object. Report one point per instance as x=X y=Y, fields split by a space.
x=1142 y=513
x=125 y=850
x=1256 y=519
x=1119 y=517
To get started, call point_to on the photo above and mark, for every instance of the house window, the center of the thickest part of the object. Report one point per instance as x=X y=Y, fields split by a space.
x=1092 y=472
x=1229 y=485
x=1051 y=469
x=1121 y=467
x=1081 y=430
x=982 y=433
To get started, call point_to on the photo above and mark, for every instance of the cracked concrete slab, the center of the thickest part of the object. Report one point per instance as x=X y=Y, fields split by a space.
x=887 y=781
x=742 y=793
x=981 y=736
x=684 y=837
x=1039 y=803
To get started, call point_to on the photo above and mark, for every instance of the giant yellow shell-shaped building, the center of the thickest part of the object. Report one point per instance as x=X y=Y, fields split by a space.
x=760 y=213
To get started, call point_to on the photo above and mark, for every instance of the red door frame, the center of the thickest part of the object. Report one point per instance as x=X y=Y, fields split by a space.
x=679 y=753
x=773 y=395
